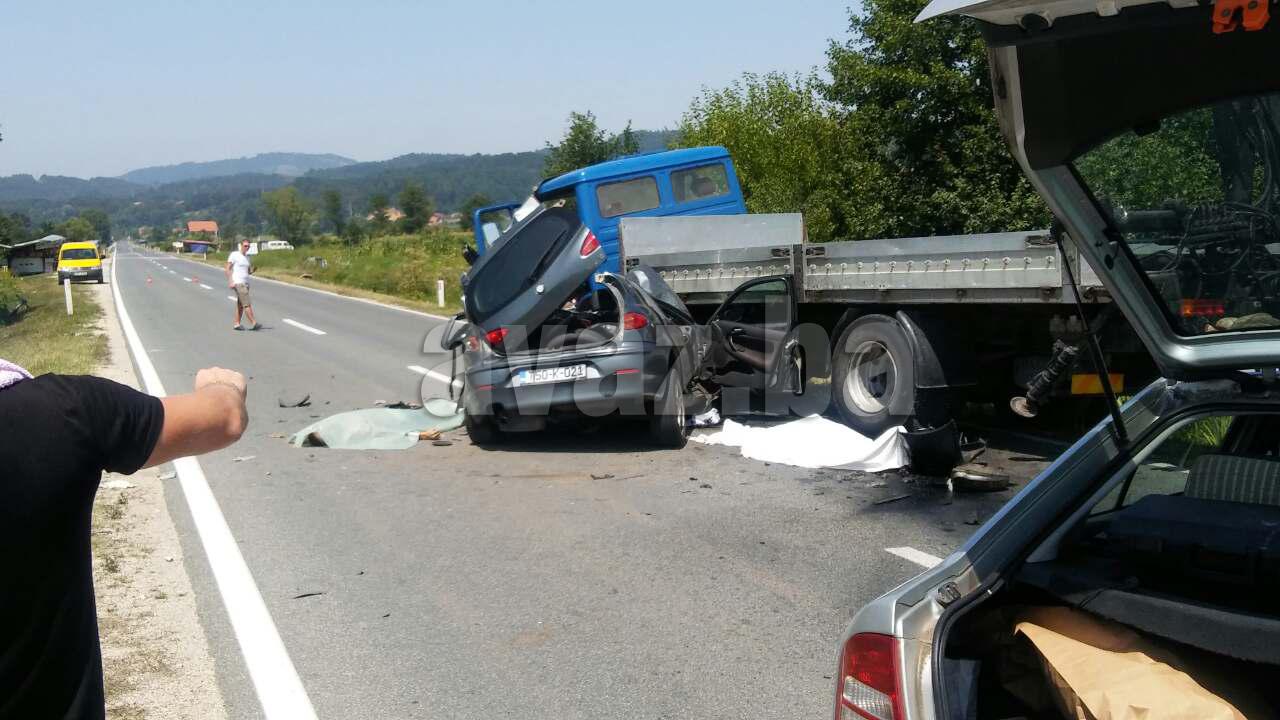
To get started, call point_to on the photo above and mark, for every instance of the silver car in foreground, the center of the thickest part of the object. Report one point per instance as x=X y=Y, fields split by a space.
x=1152 y=131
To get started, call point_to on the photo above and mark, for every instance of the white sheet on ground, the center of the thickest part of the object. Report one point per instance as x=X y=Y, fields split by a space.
x=813 y=442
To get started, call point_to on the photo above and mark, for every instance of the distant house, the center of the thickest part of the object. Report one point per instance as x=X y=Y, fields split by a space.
x=202 y=226
x=393 y=214
x=437 y=218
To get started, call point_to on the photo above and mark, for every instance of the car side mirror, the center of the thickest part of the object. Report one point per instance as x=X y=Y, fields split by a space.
x=454 y=332
x=469 y=254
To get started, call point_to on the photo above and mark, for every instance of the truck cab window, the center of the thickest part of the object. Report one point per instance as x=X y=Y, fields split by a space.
x=628 y=196
x=700 y=182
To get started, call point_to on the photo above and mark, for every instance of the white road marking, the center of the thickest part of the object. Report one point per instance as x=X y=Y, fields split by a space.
x=308 y=328
x=186 y=278
x=171 y=272
x=434 y=375
x=231 y=298
x=918 y=557
x=206 y=287
x=274 y=677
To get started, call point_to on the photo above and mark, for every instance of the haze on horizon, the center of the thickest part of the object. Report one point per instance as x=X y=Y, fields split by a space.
x=100 y=89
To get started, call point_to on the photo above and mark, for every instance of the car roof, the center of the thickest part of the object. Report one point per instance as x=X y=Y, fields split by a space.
x=80 y=244
x=629 y=165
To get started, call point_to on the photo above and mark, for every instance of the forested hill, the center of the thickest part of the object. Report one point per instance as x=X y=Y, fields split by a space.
x=287 y=164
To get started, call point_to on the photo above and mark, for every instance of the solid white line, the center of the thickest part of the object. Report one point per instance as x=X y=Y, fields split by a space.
x=274 y=677
x=345 y=297
x=206 y=287
x=308 y=328
x=918 y=557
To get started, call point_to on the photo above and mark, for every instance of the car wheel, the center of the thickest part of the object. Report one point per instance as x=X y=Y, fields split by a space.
x=669 y=425
x=873 y=375
x=482 y=430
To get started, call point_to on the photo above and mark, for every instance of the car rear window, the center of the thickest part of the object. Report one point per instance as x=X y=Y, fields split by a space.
x=79 y=254
x=704 y=181
x=628 y=196
x=513 y=266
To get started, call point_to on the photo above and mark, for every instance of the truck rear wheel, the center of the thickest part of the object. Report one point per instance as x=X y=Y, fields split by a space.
x=873 y=375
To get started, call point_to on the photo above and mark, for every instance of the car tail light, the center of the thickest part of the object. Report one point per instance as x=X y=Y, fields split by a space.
x=495 y=337
x=1203 y=308
x=867 y=686
x=589 y=244
x=634 y=321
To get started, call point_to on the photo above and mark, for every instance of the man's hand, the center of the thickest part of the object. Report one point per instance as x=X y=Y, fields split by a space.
x=210 y=418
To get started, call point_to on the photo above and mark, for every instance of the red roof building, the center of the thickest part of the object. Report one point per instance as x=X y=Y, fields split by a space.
x=202 y=226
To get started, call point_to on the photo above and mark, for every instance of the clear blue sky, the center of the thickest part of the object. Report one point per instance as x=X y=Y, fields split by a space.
x=97 y=88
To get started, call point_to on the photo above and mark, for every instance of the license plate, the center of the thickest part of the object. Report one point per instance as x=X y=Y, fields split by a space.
x=538 y=376
x=80 y=274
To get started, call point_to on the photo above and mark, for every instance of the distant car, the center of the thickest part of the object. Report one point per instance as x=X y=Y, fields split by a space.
x=276 y=245
x=551 y=338
x=79 y=261
x=1153 y=537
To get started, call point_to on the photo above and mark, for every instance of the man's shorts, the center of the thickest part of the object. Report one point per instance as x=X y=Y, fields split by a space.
x=242 y=294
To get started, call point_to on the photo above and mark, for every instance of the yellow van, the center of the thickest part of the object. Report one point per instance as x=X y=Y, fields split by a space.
x=79 y=261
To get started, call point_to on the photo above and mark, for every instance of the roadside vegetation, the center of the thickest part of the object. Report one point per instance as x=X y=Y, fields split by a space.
x=399 y=267
x=44 y=338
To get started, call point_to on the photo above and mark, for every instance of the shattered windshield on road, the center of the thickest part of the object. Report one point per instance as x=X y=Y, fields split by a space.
x=1196 y=200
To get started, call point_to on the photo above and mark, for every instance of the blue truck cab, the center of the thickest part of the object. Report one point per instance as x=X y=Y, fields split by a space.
x=689 y=181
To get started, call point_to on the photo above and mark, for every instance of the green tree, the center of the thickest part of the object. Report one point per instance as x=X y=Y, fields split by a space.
x=416 y=206
x=14 y=229
x=101 y=223
x=470 y=205
x=353 y=231
x=923 y=154
x=378 y=219
x=77 y=229
x=289 y=213
x=585 y=143
x=331 y=203
x=785 y=141
x=159 y=234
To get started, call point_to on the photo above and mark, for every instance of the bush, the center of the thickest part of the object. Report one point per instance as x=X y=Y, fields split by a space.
x=10 y=293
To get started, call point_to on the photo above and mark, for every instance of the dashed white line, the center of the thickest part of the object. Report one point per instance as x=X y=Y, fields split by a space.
x=918 y=557
x=300 y=326
x=274 y=677
x=232 y=298
x=434 y=375
x=184 y=277
x=206 y=287
x=173 y=272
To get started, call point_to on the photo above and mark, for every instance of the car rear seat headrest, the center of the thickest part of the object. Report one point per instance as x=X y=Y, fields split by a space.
x=1235 y=479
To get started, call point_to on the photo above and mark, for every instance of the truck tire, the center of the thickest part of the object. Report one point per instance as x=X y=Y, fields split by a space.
x=873 y=375
x=669 y=425
x=483 y=431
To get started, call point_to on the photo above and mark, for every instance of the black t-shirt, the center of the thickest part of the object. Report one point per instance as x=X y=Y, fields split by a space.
x=57 y=434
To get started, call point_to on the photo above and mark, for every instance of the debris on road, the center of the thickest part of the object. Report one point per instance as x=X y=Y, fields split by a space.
x=934 y=451
x=243 y=458
x=894 y=498
x=975 y=478
x=812 y=442
x=118 y=484
x=441 y=443
x=380 y=428
x=288 y=400
x=308 y=594
x=168 y=475
x=605 y=476
x=710 y=418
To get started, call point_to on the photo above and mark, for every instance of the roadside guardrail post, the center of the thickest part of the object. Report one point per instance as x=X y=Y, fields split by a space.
x=440 y=293
x=66 y=287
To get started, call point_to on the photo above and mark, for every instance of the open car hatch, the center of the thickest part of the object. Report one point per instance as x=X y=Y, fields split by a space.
x=1152 y=131
x=534 y=269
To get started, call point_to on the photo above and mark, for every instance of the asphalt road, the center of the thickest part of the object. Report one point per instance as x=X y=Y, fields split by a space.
x=574 y=574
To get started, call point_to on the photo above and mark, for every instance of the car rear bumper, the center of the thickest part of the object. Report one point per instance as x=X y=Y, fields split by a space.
x=621 y=382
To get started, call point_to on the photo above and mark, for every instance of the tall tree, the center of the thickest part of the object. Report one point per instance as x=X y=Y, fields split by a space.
x=416 y=206
x=289 y=213
x=77 y=229
x=469 y=207
x=378 y=219
x=923 y=152
x=785 y=142
x=101 y=223
x=585 y=143
x=331 y=203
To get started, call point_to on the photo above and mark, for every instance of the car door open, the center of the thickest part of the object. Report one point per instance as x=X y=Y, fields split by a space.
x=752 y=330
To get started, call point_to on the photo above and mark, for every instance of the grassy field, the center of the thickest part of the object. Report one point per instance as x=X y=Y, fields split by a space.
x=45 y=339
x=400 y=268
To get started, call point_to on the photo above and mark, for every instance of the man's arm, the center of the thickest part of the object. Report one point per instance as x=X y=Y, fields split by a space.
x=227 y=270
x=210 y=418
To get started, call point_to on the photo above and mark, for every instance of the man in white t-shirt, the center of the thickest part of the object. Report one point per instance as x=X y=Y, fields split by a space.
x=238 y=271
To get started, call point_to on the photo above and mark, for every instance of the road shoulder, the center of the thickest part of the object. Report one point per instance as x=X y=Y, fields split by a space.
x=156 y=659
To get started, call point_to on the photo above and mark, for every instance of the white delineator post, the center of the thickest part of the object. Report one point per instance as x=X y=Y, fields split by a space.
x=66 y=287
x=440 y=293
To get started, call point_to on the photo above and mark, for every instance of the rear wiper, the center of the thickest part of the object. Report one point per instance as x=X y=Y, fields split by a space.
x=538 y=266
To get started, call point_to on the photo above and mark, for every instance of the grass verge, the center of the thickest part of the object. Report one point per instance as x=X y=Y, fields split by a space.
x=400 y=269
x=45 y=339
